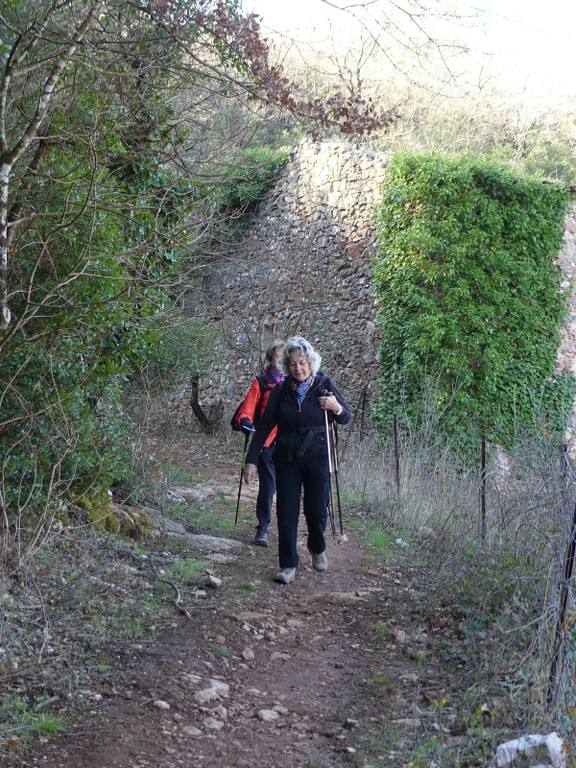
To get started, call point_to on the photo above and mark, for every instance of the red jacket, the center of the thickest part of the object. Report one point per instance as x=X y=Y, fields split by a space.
x=248 y=406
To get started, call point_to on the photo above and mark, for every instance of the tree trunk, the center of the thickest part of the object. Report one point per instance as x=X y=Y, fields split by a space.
x=196 y=407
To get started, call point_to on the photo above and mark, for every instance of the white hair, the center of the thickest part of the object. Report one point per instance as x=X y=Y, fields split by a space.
x=299 y=344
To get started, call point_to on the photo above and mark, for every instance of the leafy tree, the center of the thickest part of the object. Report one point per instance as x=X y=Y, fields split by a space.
x=468 y=295
x=105 y=148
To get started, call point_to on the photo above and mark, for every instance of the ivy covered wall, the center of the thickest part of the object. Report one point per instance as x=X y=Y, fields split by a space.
x=469 y=297
x=305 y=265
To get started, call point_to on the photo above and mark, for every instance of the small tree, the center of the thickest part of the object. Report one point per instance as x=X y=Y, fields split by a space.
x=104 y=211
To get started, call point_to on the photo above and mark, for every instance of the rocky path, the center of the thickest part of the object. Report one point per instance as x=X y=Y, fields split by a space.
x=344 y=668
x=325 y=672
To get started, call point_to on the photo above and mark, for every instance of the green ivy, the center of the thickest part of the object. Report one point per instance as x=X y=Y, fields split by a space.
x=249 y=176
x=469 y=300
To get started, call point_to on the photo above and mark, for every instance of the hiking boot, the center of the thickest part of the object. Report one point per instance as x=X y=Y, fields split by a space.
x=262 y=538
x=285 y=575
x=319 y=561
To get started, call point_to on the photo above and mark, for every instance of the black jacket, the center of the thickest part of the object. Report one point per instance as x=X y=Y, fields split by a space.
x=301 y=429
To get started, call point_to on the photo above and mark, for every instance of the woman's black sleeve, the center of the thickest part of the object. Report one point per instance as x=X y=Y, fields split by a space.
x=346 y=414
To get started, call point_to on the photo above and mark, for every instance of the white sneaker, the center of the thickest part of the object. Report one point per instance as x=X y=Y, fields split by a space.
x=285 y=575
x=320 y=561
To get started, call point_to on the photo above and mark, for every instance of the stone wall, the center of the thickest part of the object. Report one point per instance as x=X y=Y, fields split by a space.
x=304 y=267
x=566 y=260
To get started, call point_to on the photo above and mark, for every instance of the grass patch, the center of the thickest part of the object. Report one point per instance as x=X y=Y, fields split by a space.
x=378 y=538
x=184 y=570
x=21 y=720
x=385 y=684
x=222 y=650
x=383 y=629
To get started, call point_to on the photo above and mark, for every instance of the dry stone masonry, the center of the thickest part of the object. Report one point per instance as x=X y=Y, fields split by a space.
x=304 y=267
x=566 y=260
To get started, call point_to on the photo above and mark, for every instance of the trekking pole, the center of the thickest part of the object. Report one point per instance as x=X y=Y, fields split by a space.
x=335 y=449
x=331 y=501
x=246 y=439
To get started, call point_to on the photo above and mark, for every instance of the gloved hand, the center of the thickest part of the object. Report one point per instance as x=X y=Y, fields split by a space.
x=247 y=426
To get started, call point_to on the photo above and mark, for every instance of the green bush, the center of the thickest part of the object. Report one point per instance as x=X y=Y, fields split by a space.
x=180 y=346
x=249 y=177
x=469 y=300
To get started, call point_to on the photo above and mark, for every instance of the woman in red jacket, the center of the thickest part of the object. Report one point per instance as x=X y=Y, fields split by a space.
x=297 y=412
x=251 y=408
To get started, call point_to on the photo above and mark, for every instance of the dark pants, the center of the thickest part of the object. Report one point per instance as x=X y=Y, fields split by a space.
x=291 y=477
x=266 y=487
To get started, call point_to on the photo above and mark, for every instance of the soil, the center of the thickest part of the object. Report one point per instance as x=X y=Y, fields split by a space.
x=343 y=668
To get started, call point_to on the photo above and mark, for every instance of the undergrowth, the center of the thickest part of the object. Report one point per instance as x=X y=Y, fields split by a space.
x=499 y=568
x=489 y=604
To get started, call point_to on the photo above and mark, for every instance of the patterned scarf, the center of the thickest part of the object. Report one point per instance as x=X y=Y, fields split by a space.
x=273 y=375
x=302 y=388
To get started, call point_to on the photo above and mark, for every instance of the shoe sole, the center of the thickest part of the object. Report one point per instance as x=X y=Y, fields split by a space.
x=284 y=580
x=320 y=568
x=262 y=543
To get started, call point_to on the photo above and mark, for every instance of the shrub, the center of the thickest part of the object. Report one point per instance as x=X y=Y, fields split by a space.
x=469 y=296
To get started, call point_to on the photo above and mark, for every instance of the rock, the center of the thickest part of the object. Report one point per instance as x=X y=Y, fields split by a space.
x=198 y=541
x=337 y=598
x=268 y=715
x=400 y=636
x=537 y=751
x=213 y=724
x=192 y=678
x=161 y=704
x=222 y=688
x=206 y=695
x=212 y=581
x=278 y=655
x=408 y=722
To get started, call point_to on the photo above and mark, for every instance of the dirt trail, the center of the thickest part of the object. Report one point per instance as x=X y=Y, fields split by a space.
x=305 y=675
x=337 y=669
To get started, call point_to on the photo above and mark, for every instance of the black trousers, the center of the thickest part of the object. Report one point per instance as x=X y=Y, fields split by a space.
x=312 y=475
x=266 y=487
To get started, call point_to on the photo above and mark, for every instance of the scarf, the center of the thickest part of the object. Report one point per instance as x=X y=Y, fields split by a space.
x=302 y=388
x=273 y=375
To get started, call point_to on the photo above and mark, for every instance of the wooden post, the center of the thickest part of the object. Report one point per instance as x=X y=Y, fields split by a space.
x=397 y=455
x=564 y=594
x=483 y=493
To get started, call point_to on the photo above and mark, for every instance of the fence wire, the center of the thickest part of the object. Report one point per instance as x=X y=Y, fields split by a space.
x=520 y=502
